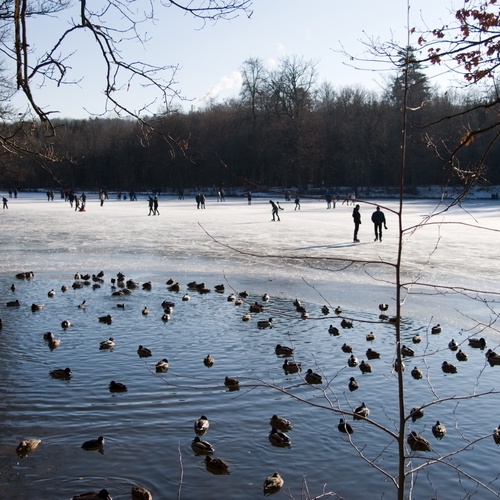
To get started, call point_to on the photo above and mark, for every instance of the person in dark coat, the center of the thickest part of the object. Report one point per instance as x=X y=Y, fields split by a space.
x=151 y=208
x=275 y=208
x=378 y=218
x=356 y=216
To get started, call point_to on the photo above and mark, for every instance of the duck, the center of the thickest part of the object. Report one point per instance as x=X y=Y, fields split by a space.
x=383 y=317
x=325 y=310
x=117 y=387
x=238 y=302
x=62 y=373
x=51 y=293
x=407 y=351
x=65 y=324
x=453 y=345
x=266 y=297
x=186 y=297
x=165 y=317
x=439 y=430
x=108 y=319
x=365 y=367
x=448 y=367
x=416 y=339
x=279 y=438
x=338 y=310
x=461 y=355
x=370 y=337
x=493 y=358
x=131 y=284
x=82 y=305
x=273 y=484
x=256 y=308
x=191 y=285
x=417 y=442
x=144 y=352
x=147 y=286
x=209 y=361
x=201 y=425
x=345 y=427
x=417 y=373
x=36 y=307
x=232 y=384
x=352 y=361
x=93 y=444
x=361 y=412
x=27 y=446
x=371 y=354
x=54 y=344
x=13 y=287
x=94 y=495
x=170 y=281
x=48 y=336
x=167 y=304
x=243 y=294
x=346 y=324
x=399 y=366
x=145 y=311
x=305 y=315
x=120 y=306
x=496 y=435
x=313 y=378
x=219 y=288
x=216 y=465
x=107 y=344
x=231 y=297
x=283 y=350
x=346 y=348
x=162 y=366
x=263 y=323
x=246 y=317
x=296 y=303
x=13 y=303
x=416 y=413
x=64 y=288
x=281 y=424
x=201 y=447
x=26 y=275
x=333 y=330
x=436 y=329
x=85 y=277
x=174 y=287
x=383 y=307
x=140 y=493
x=477 y=343
x=292 y=366
x=353 y=384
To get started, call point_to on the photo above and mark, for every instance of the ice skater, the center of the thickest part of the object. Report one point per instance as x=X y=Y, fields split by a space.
x=275 y=208
x=378 y=218
x=356 y=216
x=5 y=200
x=155 y=206
x=150 y=204
x=297 y=203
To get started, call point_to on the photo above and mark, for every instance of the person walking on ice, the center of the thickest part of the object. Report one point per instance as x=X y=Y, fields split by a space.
x=297 y=203
x=275 y=208
x=5 y=200
x=378 y=218
x=356 y=216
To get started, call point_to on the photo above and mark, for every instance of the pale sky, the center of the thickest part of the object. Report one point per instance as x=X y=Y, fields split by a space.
x=210 y=58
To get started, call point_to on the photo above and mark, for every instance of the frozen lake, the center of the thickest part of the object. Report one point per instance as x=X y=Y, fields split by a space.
x=148 y=430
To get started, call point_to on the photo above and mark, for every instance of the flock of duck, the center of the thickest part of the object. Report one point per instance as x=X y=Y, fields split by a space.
x=120 y=286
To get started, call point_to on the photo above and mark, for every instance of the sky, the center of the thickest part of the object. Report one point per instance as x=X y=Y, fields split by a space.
x=209 y=57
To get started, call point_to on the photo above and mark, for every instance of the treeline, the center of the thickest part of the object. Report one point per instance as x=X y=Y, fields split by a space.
x=282 y=130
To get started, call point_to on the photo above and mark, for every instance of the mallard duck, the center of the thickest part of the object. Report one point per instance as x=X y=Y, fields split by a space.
x=232 y=384
x=201 y=447
x=279 y=438
x=416 y=413
x=345 y=427
x=26 y=275
x=54 y=343
x=361 y=412
x=448 y=367
x=144 y=352
x=292 y=366
x=145 y=311
x=209 y=361
x=118 y=293
x=493 y=358
x=383 y=317
x=273 y=484
x=162 y=366
x=175 y=287
x=216 y=465
x=417 y=373
x=313 y=378
x=64 y=288
x=231 y=297
x=51 y=293
x=246 y=317
x=416 y=339
x=107 y=344
x=370 y=337
x=13 y=303
x=352 y=361
x=238 y=302
x=407 y=352
x=365 y=367
x=461 y=355
x=333 y=330
x=27 y=446
x=256 y=308
x=346 y=324
x=436 y=329
x=48 y=336
x=167 y=304
x=325 y=310
x=439 y=430
x=353 y=384
x=117 y=387
x=186 y=297
x=399 y=366
x=219 y=288
x=139 y=493
x=417 y=442
x=371 y=354
x=192 y=285
x=346 y=348
x=108 y=319
x=93 y=444
x=477 y=343
x=85 y=277
x=496 y=435
x=338 y=310
x=36 y=307
x=94 y=495
x=283 y=350
x=63 y=373
x=170 y=281
x=281 y=424
x=383 y=307
x=453 y=344
x=201 y=425
x=263 y=323
x=243 y=294
x=65 y=324
x=148 y=286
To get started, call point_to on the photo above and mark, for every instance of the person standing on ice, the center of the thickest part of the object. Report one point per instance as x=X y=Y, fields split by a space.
x=151 y=205
x=356 y=216
x=275 y=208
x=4 y=199
x=155 y=206
x=297 y=203
x=378 y=218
